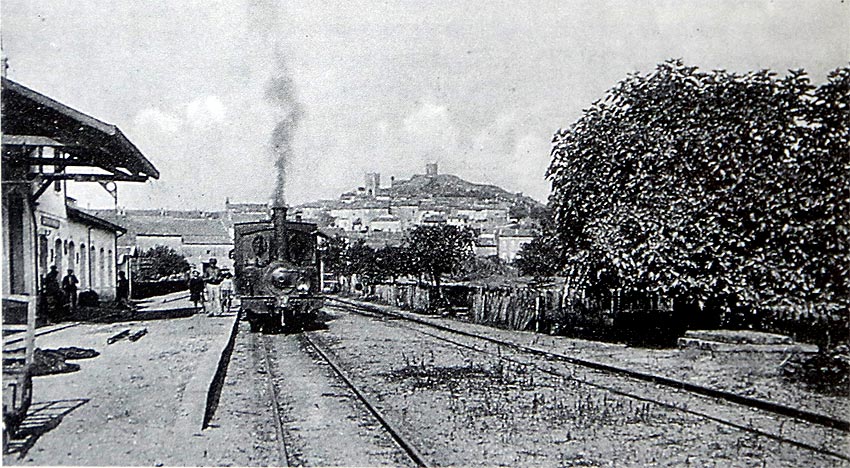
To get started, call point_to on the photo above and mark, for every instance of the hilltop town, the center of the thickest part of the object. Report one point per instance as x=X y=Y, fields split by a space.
x=380 y=215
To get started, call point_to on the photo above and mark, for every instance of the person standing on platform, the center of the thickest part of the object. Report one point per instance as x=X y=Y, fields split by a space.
x=226 y=290
x=212 y=278
x=196 y=290
x=52 y=293
x=122 y=289
x=69 y=287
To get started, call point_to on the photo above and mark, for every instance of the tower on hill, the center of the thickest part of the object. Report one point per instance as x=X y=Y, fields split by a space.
x=431 y=169
x=373 y=183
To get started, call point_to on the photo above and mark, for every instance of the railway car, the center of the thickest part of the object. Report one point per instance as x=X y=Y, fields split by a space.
x=277 y=270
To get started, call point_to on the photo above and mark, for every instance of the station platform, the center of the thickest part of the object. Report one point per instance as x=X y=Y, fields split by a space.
x=139 y=402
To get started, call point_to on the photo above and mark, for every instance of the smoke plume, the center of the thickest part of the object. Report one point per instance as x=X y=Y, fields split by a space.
x=281 y=93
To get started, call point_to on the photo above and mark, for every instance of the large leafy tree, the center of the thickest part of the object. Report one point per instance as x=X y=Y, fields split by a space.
x=333 y=253
x=359 y=259
x=539 y=258
x=161 y=261
x=439 y=250
x=710 y=185
x=393 y=261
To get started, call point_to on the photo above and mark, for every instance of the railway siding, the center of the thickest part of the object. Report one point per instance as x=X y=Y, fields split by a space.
x=464 y=407
x=746 y=374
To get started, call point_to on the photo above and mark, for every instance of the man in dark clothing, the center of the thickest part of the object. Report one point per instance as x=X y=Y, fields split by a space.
x=69 y=287
x=122 y=289
x=196 y=289
x=52 y=293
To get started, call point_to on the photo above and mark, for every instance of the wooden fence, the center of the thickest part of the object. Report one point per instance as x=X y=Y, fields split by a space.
x=601 y=314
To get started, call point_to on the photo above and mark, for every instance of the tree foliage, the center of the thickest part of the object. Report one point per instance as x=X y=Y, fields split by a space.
x=710 y=185
x=333 y=254
x=439 y=250
x=394 y=261
x=539 y=258
x=481 y=268
x=162 y=261
x=429 y=250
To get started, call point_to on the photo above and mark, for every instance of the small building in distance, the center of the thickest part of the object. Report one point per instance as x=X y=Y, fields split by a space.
x=510 y=240
x=386 y=223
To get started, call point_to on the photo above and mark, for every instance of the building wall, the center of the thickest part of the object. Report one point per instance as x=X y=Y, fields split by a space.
x=196 y=254
x=66 y=243
x=19 y=276
x=486 y=250
x=88 y=250
x=372 y=183
x=365 y=215
x=386 y=226
x=405 y=213
x=509 y=246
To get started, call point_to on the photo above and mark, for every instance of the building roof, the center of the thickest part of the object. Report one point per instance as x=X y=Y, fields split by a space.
x=206 y=240
x=190 y=228
x=516 y=232
x=81 y=216
x=485 y=241
x=28 y=115
x=386 y=218
x=30 y=140
x=434 y=218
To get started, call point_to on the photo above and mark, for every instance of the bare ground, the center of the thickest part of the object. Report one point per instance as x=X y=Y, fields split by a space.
x=466 y=408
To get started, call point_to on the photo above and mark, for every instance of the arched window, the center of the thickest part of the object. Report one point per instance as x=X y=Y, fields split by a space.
x=101 y=274
x=73 y=258
x=83 y=277
x=110 y=261
x=92 y=268
x=57 y=260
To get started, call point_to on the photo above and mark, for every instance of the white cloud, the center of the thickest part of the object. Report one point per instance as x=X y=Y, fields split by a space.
x=158 y=119
x=205 y=112
x=430 y=128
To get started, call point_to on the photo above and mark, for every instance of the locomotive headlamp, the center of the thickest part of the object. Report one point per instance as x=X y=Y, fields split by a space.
x=282 y=278
x=303 y=285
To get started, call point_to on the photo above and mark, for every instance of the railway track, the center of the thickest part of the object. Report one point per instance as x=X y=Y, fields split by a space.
x=785 y=412
x=406 y=447
x=283 y=453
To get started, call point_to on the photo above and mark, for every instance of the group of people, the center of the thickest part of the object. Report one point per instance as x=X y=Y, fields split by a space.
x=212 y=292
x=63 y=295
x=59 y=295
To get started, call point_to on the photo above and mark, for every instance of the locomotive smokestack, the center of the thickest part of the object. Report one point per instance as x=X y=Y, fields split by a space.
x=279 y=222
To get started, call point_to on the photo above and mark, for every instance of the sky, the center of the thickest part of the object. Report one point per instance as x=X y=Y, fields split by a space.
x=479 y=87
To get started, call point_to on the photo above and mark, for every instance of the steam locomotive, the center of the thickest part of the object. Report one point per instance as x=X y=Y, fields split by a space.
x=277 y=272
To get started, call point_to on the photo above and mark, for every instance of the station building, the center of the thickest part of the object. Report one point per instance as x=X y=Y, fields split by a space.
x=46 y=145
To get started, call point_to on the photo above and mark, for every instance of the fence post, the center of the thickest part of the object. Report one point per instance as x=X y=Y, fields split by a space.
x=537 y=313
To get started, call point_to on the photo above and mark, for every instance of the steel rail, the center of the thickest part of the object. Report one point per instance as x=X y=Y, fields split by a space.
x=283 y=454
x=357 y=308
x=784 y=410
x=408 y=448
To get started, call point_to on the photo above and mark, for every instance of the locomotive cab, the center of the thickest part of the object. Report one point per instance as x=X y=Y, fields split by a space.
x=277 y=274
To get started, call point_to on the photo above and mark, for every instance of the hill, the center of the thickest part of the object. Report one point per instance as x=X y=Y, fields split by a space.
x=452 y=186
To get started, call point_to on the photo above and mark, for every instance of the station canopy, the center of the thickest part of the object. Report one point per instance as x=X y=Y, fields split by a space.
x=32 y=120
